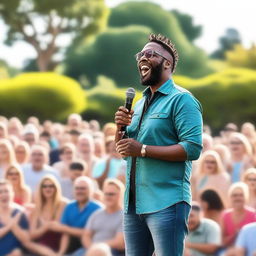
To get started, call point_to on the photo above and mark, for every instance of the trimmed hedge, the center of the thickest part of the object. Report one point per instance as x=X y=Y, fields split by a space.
x=227 y=96
x=45 y=95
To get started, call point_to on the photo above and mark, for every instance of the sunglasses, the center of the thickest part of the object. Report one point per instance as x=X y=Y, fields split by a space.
x=210 y=162
x=109 y=194
x=48 y=186
x=148 y=54
x=13 y=174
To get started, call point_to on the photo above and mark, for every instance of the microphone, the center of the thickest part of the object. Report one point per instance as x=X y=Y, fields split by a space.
x=130 y=94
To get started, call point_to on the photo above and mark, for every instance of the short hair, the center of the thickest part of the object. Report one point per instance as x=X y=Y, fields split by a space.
x=213 y=199
x=167 y=45
x=78 y=165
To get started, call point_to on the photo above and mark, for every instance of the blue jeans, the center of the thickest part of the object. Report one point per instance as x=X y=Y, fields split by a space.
x=162 y=232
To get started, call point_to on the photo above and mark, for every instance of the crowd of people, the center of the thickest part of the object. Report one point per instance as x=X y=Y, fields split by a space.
x=62 y=186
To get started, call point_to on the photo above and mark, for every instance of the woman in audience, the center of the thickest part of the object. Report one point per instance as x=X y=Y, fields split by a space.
x=22 y=152
x=49 y=205
x=238 y=215
x=15 y=127
x=7 y=156
x=249 y=178
x=212 y=205
x=3 y=131
x=211 y=174
x=67 y=156
x=241 y=155
x=224 y=154
x=22 y=193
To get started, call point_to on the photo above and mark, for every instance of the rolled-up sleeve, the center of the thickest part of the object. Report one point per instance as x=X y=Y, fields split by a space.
x=189 y=125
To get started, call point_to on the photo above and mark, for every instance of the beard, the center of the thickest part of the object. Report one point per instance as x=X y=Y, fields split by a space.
x=155 y=75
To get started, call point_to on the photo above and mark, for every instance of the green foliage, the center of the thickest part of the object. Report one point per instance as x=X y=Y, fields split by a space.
x=241 y=57
x=42 y=23
x=111 y=54
x=46 y=95
x=6 y=71
x=227 y=96
x=227 y=42
x=191 y=31
x=193 y=61
x=104 y=100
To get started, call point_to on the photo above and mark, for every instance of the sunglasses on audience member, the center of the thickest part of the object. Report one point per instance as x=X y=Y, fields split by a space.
x=48 y=186
x=109 y=194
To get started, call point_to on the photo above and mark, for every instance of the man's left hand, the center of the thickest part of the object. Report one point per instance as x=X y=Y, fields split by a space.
x=128 y=147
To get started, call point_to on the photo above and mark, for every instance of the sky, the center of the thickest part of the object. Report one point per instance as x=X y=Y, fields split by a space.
x=214 y=15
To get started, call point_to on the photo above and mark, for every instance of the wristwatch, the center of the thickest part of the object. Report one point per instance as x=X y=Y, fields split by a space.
x=143 y=150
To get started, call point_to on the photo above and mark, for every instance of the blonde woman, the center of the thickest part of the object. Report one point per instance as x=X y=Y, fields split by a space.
x=49 y=205
x=7 y=156
x=211 y=174
x=249 y=178
x=22 y=193
x=3 y=131
x=22 y=152
x=241 y=155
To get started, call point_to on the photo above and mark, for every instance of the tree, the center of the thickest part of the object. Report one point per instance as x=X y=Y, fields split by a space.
x=47 y=24
x=242 y=57
x=191 y=31
x=227 y=42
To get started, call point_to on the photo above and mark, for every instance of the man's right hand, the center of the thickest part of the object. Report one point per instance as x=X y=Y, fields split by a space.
x=123 y=117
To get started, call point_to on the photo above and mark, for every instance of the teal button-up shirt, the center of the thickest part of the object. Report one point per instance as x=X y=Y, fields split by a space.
x=174 y=117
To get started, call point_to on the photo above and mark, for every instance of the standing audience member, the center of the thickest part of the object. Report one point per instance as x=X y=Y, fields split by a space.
x=106 y=225
x=249 y=178
x=38 y=167
x=211 y=205
x=76 y=169
x=204 y=237
x=241 y=155
x=49 y=206
x=238 y=215
x=22 y=193
x=75 y=217
x=7 y=156
x=14 y=234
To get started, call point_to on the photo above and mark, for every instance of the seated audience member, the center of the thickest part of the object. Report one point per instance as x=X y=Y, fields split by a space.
x=99 y=249
x=67 y=155
x=75 y=217
x=249 y=178
x=204 y=237
x=109 y=167
x=22 y=152
x=245 y=243
x=22 y=193
x=211 y=174
x=37 y=168
x=211 y=205
x=7 y=156
x=76 y=169
x=238 y=215
x=241 y=155
x=14 y=234
x=49 y=206
x=106 y=225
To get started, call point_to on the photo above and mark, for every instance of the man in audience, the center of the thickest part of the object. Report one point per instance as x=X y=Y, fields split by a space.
x=246 y=241
x=106 y=225
x=204 y=237
x=76 y=169
x=75 y=217
x=38 y=167
x=31 y=134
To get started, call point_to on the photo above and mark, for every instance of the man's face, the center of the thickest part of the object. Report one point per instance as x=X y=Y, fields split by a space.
x=30 y=138
x=74 y=173
x=37 y=159
x=151 y=69
x=111 y=196
x=193 y=220
x=84 y=146
x=82 y=191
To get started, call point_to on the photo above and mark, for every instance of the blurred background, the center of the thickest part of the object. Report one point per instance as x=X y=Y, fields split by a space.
x=79 y=55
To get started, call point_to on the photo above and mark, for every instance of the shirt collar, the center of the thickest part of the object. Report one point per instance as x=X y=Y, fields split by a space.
x=164 y=88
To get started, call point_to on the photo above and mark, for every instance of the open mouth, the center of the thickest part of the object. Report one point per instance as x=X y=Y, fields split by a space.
x=144 y=70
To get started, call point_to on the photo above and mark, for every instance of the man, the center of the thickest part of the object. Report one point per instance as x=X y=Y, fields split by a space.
x=75 y=217
x=165 y=134
x=38 y=167
x=106 y=225
x=245 y=243
x=76 y=169
x=204 y=237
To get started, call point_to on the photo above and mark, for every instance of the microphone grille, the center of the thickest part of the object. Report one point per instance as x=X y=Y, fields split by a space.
x=130 y=93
